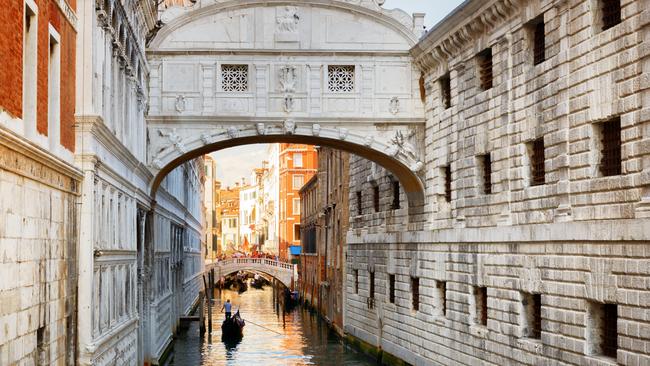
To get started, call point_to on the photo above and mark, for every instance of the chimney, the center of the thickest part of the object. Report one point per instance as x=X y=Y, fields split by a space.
x=418 y=24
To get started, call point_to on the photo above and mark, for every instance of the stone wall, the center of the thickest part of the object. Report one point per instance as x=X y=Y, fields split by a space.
x=578 y=242
x=38 y=255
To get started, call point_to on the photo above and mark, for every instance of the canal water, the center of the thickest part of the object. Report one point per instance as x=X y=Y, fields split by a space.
x=297 y=338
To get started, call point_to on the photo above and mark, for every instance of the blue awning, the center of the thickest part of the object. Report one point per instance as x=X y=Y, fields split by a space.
x=295 y=249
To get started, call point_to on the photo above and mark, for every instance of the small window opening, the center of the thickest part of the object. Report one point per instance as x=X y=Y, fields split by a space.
x=537 y=159
x=356 y=281
x=445 y=89
x=447 y=174
x=602 y=329
x=485 y=166
x=539 y=39
x=371 y=290
x=532 y=309
x=481 y=305
x=611 y=11
x=485 y=69
x=375 y=197
x=359 y=203
x=396 y=196
x=441 y=289
x=391 y=288
x=415 y=289
x=610 y=162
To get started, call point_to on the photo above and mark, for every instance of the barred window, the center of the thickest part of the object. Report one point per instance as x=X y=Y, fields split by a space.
x=447 y=173
x=537 y=158
x=371 y=290
x=234 y=78
x=415 y=289
x=396 y=201
x=391 y=288
x=611 y=13
x=445 y=90
x=340 y=78
x=539 y=39
x=610 y=133
x=485 y=169
x=375 y=197
x=485 y=69
x=356 y=281
x=359 y=203
x=441 y=298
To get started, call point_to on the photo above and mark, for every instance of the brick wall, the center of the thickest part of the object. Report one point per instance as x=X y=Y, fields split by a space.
x=11 y=75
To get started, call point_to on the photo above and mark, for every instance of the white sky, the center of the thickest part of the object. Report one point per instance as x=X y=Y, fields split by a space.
x=238 y=162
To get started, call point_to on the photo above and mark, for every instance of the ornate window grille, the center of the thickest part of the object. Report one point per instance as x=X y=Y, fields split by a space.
x=611 y=13
x=340 y=78
x=539 y=40
x=447 y=173
x=610 y=163
x=485 y=69
x=234 y=78
x=538 y=172
x=445 y=87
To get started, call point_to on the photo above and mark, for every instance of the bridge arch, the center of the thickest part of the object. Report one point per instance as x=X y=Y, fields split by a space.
x=281 y=271
x=394 y=155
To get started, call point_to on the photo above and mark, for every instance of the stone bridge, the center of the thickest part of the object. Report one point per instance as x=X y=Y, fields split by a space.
x=281 y=271
x=335 y=73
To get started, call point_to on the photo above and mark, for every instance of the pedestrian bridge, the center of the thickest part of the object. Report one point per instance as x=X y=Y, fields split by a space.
x=281 y=271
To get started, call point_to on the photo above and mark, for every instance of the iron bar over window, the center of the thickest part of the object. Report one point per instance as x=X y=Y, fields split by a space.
x=610 y=163
x=539 y=41
x=447 y=173
x=611 y=13
x=538 y=172
x=445 y=89
x=485 y=69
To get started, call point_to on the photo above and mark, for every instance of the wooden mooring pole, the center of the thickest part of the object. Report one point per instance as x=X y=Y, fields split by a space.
x=209 y=298
x=201 y=318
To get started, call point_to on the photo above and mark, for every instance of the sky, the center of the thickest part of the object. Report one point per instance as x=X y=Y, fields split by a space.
x=238 y=162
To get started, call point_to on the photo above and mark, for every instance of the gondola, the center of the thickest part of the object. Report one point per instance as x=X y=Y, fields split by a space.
x=233 y=328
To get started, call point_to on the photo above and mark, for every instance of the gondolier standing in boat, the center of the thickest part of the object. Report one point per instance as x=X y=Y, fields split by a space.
x=228 y=307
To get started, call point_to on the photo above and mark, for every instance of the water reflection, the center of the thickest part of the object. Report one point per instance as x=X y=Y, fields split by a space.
x=270 y=337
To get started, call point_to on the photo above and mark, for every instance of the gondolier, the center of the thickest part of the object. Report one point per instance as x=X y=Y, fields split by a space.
x=227 y=306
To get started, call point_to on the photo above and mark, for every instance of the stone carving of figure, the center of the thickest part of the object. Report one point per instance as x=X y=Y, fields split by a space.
x=401 y=145
x=181 y=3
x=288 y=79
x=288 y=22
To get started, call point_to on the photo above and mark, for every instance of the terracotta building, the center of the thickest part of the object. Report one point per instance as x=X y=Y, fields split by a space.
x=229 y=213
x=324 y=225
x=298 y=164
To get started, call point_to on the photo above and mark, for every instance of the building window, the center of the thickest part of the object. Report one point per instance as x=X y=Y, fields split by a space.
x=54 y=90
x=296 y=206
x=445 y=90
x=532 y=315
x=298 y=181
x=441 y=298
x=359 y=203
x=537 y=159
x=30 y=45
x=396 y=201
x=481 y=298
x=609 y=135
x=340 y=78
x=371 y=290
x=391 y=288
x=485 y=172
x=485 y=69
x=446 y=172
x=297 y=160
x=234 y=78
x=602 y=330
x=296 y=232
x=356 y=281
x=537 y=30
x=375 y=197
x=611 y=13
x=415 y=290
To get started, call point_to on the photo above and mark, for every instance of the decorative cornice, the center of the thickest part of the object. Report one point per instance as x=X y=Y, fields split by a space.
x=447 y=39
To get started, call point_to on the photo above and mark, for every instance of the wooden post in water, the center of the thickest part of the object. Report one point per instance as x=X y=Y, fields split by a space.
x=209 y=297
x=201 y=317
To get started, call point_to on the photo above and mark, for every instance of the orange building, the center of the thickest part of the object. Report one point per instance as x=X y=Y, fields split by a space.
x=298 y=163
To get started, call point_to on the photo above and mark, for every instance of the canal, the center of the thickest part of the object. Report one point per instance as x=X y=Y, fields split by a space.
x=297 y=338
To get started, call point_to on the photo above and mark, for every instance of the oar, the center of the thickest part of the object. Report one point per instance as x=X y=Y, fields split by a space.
x=261 y=326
